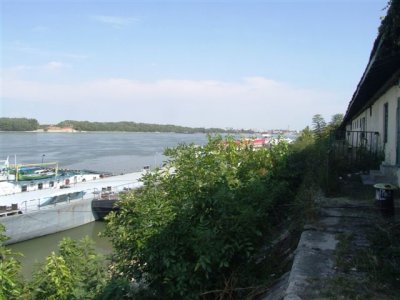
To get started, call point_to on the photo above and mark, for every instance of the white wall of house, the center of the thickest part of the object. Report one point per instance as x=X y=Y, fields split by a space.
x=372 y=119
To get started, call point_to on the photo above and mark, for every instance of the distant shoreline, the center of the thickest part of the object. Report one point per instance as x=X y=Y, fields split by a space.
x=71 y=126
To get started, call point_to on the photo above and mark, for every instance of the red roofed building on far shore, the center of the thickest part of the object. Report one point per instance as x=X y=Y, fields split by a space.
x=258 y=143
x=59 y=129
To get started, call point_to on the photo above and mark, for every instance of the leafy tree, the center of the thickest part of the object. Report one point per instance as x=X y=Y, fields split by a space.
x=336 y=120
x=319 y=125
x=305 y=139
x=86 y=266
x=313 y=146
x=54 y=280
x=197 y=222
x=10 y=281
x=76 y=272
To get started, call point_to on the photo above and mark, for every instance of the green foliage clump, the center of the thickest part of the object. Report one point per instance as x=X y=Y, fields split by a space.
x=194 y=227
x=321 y=129
x=311 y=152
x=390 y=31
x=18 y=124
x=319 y=125
x=75 y=272
x=54 y=280
x=10 y=281
x=305 y=139
x=336 y=121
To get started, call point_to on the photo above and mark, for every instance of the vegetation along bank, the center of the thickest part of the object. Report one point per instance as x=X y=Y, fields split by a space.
x=218 y=221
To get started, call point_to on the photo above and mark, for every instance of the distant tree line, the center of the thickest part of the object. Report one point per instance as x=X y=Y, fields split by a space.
x=18 y=124
x=25 y=124
x=140 y=127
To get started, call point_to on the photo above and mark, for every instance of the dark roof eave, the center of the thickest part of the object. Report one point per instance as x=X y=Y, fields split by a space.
x=383 y=65
x=380 y=74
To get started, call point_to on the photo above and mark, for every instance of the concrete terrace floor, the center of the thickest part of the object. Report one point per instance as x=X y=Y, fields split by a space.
x=329 y=244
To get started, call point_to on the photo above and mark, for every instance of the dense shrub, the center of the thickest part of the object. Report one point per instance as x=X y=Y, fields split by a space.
x=75 y=272
x=197 y=222
x=10 y=281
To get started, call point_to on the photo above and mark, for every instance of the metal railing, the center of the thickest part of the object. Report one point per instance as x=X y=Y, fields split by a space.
x=94 y=193
x=358 y=149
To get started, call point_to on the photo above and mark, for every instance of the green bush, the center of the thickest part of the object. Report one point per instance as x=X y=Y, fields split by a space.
x=75 y=272
x=10 y=281
x=197 y=222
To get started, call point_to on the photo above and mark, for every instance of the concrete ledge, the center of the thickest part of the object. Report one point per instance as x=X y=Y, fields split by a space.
x=314 y=265
x=313 y=261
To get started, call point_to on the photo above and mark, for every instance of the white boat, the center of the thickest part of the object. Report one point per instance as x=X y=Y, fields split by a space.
x=29 y=209
x=4 y=170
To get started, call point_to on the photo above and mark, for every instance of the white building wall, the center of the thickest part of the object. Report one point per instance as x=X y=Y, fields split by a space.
x=374 y=118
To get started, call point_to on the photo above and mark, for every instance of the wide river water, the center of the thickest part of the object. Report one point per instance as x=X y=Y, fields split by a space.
x=101 y=151
x=112 y=152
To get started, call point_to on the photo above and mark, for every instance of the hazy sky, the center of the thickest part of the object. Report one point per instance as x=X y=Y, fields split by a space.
x=239 y=63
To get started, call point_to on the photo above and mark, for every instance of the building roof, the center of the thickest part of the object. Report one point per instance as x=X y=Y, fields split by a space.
x=383 y=68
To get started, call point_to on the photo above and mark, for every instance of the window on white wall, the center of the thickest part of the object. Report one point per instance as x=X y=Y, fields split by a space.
x=385 y=122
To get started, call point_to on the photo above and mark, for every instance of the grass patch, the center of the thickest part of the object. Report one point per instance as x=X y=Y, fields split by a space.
x=343 y=287
x=367 y=272
x=343 y=254
x=382 y=260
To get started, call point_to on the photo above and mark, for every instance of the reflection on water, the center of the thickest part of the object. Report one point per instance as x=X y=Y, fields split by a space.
x=36 y=250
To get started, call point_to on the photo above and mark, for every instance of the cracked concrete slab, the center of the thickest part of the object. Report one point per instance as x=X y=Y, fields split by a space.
x=314 y=259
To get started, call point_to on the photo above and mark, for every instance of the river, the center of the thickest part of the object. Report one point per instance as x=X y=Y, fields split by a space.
x=100 y=151
x=111 y=152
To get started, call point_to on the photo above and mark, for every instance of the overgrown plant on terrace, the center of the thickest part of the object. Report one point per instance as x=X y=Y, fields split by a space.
x=192 y=230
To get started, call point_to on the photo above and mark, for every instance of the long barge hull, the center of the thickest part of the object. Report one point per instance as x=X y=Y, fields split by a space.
x=34 y=217
x=47 y=221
